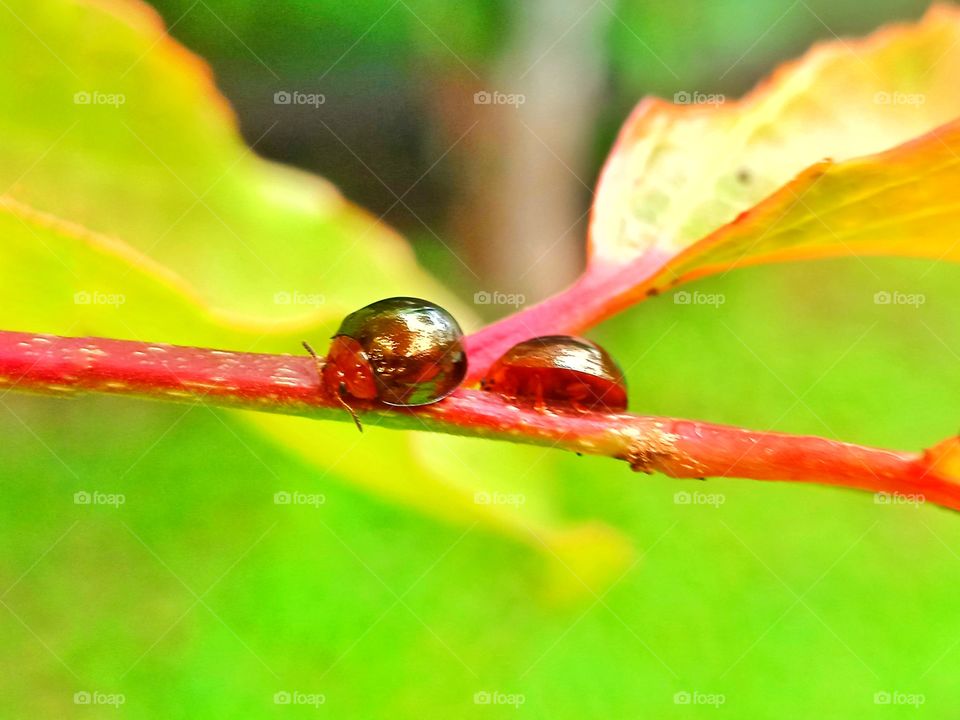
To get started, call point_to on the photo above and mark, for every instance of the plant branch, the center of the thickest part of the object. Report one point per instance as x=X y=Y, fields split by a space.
x=599 y=293
x=290 y=385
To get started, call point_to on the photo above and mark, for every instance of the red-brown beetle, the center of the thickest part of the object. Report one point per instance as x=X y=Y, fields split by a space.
x=400 y=351
x=559 y=371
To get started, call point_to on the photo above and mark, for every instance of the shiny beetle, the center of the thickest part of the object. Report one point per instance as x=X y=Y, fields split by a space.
x=559 y=371
x=400 y=351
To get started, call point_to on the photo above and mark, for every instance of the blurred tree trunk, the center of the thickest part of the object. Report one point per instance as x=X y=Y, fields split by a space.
x=527 y=167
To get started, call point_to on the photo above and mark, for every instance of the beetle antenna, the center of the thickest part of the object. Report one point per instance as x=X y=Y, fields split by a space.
x=313 y=353
x=340 y=390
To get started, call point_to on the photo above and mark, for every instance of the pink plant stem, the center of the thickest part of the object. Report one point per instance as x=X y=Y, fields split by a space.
x=598 y=294
x=291 y=385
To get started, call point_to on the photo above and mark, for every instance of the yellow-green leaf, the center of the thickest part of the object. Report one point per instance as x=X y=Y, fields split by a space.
x=110 y=123
x=135 y=210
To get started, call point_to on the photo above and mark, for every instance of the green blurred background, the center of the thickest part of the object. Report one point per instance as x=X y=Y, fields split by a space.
x=201 y=597
x=487 y=192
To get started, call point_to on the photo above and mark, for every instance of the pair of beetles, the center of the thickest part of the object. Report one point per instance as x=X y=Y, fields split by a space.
x=407 y=352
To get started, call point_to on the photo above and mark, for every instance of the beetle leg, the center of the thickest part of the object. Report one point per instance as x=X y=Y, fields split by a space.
x=577 y=393
x=538 y=403
x=340 y=390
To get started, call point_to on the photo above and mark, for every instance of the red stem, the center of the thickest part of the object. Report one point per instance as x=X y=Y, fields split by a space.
x=598 y=294
x=291 y=385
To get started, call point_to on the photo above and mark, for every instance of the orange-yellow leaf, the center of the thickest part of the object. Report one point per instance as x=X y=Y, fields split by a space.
x=681 y=173
x=847 y=151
